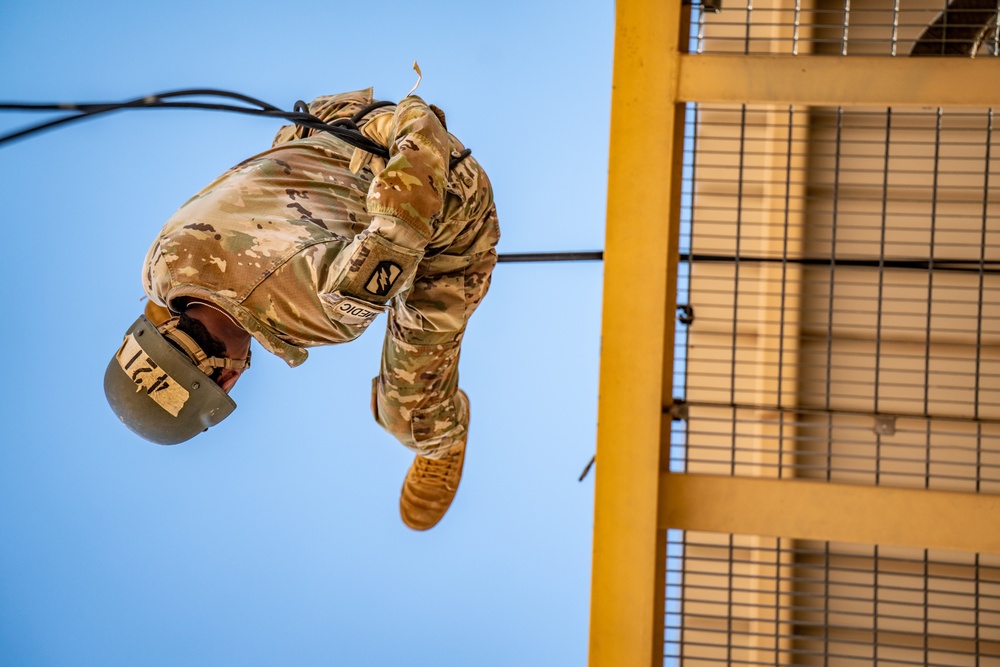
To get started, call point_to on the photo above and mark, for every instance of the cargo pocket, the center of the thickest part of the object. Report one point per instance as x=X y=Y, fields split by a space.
x=438 y=427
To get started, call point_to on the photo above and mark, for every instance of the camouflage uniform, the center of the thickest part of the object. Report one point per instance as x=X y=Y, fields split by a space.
x=305 y=243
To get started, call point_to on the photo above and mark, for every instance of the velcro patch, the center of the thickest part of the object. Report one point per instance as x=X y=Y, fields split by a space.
x=378 y=270
x=383 y=278
x=150 y=378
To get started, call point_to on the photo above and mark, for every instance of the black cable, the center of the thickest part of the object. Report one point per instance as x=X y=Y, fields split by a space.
x=91 y=110
x=550 y=256
x=94 y=109
x=160 y=96
x=960 y=265
x=351 y=136
x=41 y=127
x=937 y=264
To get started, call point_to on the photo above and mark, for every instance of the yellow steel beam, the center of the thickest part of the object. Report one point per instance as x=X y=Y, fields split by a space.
x=637 y=331
x=839 y=81
x=921 y=518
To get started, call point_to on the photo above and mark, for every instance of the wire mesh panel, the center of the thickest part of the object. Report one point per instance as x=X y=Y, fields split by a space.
x=748 y=600
x=839 y=320
x=842 y=323
x=846 y=27
x=844 y=282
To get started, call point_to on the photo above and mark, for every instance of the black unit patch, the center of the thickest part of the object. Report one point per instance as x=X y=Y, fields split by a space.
x=383 y=278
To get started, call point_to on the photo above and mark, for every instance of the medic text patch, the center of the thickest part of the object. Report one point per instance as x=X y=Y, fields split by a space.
x=351 y=311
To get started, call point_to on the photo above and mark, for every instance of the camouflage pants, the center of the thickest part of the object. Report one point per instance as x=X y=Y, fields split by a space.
x=416 y=396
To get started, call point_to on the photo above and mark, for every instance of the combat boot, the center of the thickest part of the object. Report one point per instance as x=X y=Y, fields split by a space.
x=429 y=488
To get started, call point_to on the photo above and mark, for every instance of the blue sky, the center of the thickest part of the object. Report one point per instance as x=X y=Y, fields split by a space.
x=275 y=538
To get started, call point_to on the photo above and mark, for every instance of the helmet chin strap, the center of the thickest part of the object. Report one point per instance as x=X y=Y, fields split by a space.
x=205 y=363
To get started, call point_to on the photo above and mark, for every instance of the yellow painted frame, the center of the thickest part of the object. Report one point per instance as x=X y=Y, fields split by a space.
x=839 y=81
x=852 y=513
x=640 y=269
x=636 y=499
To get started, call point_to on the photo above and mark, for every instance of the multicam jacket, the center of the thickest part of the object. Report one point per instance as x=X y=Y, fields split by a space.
x=305 y=243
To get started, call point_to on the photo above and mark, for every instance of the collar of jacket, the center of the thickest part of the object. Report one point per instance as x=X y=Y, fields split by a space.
x=292 y=355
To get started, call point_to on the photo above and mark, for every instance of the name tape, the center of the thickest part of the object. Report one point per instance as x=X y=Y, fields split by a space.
x=150 y=378
x=353 y=311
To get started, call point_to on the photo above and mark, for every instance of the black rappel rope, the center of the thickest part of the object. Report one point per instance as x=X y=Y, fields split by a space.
x=344 y=129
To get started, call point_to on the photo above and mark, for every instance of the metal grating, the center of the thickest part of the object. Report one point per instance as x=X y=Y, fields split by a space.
x=843 y=276
x=749 y=600
x=846 y=27
x=839 y=320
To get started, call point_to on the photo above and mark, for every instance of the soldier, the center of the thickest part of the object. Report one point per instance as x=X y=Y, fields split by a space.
x=304 y=245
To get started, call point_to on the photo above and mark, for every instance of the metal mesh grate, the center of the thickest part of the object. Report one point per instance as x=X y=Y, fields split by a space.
x=843 y=275
x=749 y=600
x=840 y=321
x=847 y=27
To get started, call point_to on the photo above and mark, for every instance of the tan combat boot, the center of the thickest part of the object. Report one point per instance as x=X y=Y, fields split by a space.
x=429 y=488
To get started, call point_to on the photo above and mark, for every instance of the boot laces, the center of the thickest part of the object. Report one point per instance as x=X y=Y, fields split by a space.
x=437 y=471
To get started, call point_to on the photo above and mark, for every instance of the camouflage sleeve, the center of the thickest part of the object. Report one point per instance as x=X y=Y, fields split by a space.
x=411 y=188
x=406 y=200
x=416 y=396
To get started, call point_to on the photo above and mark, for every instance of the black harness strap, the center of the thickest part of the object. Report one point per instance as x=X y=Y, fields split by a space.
x=351 y=125
x=364 y=111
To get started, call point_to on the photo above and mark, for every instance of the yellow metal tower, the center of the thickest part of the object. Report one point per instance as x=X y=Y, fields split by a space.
x=828 y=490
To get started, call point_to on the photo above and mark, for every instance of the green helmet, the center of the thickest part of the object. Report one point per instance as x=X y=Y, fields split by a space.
x=162 y=394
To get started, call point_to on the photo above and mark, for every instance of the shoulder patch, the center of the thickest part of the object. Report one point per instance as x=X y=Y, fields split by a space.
x=383 y=278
